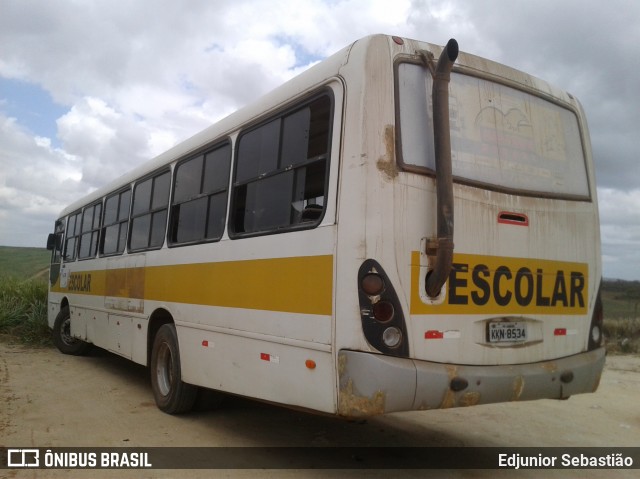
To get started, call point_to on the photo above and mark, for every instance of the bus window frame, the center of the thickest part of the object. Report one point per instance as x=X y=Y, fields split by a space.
x=91 y=231
x=151 y=176
x=65 y=256
x=288 y=109
x=104 y=226
x=172 y=220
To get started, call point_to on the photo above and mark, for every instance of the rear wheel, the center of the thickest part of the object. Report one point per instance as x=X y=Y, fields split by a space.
x=172 y=395
x=62 y=338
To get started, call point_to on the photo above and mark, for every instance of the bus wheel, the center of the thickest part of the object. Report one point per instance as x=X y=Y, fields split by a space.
x=62 y=338
x=171 y=394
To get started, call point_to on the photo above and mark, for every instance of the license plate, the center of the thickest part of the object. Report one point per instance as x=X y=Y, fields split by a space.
x=507 y=332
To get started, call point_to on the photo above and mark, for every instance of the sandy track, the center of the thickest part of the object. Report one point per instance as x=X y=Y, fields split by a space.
x=48 y=399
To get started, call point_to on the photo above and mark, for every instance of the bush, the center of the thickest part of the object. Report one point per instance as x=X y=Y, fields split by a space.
x=23 y=310
x=622 y=335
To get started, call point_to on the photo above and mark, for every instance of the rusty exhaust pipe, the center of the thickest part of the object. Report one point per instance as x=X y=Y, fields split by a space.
x=444 y=176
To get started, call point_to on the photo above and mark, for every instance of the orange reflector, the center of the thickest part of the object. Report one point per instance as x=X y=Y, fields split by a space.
x=310 y=364
x=560 y=332
x=433 y=334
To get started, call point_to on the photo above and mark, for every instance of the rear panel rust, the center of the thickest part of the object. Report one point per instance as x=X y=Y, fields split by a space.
x=372 y=384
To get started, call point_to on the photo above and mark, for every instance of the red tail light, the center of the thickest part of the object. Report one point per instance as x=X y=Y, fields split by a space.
x=380 y=311
x=596 y=337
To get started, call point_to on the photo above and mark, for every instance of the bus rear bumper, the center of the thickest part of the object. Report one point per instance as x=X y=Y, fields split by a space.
x=372 y=384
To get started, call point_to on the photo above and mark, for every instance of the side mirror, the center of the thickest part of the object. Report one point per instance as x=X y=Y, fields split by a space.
x=54 y=241
x=51 y=242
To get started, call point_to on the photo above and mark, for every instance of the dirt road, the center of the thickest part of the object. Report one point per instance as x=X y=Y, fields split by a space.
x=51 y=400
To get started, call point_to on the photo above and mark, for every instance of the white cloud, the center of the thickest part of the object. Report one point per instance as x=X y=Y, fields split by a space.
x=36 y=182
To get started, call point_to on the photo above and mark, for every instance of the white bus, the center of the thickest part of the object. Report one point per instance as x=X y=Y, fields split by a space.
x=303 y=250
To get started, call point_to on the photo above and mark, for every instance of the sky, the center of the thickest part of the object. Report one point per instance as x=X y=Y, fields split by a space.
x=91 y=88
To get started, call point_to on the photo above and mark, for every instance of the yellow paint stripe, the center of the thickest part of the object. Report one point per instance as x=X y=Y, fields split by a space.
x=296 y=284
x=503 y=285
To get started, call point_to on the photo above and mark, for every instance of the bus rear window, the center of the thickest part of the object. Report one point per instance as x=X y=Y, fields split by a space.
x=501 y=137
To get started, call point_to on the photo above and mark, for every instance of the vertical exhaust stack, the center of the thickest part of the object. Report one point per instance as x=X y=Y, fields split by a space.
x=444 y=176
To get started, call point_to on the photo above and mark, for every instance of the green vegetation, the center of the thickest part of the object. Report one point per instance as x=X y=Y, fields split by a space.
x=23 y=294
x=23 y=310
x=621 y=300
x=23 y=302
x=24 y=263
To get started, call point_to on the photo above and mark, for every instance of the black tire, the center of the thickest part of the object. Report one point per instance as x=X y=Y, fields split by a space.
x=62 y=335
x=171 y=394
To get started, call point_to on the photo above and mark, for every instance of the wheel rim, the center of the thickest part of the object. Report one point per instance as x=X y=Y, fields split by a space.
x=164 y=374
x=65 y=333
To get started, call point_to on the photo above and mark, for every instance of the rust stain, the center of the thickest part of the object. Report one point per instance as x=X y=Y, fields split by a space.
x=550 y=367
x=471 y=398
x=518 y=387
x=360 y=406
x=449 y=399
x=125 y=283
x=386 y=163
x=342 y=364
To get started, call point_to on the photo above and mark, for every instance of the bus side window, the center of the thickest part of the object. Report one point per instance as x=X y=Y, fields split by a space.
x=115 y=223
x=200 y=197
x=88 y=246
x=56 y=250
x=281 y=171
x=73 y=231
x=149 y=212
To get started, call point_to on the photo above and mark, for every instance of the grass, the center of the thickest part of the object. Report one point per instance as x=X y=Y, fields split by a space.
x=621 y=300
x=622 y=335
x=23 y=311
x=23 y=263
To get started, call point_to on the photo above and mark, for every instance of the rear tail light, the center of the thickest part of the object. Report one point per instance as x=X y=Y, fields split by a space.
x=392 y=337
x=380 y=311
x=596 y=336
x=372 y=284
x=383 y=311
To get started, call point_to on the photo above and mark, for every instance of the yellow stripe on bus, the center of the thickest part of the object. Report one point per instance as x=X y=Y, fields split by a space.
x=501 y=285
x=296 y=284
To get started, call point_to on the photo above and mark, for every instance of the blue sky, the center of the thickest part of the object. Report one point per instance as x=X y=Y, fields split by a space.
x=32 y=107
x=89 y=89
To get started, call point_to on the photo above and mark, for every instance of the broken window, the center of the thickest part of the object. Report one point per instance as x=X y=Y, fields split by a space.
x=281 y=171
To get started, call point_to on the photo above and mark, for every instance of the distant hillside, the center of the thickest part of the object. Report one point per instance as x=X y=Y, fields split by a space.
x=23 y=263
x=621 y=299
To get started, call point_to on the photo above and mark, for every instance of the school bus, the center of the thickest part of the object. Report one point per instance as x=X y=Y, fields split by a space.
x=401 y=227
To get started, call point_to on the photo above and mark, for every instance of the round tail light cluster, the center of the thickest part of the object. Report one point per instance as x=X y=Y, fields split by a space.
x=380 y=310
x=596 y=336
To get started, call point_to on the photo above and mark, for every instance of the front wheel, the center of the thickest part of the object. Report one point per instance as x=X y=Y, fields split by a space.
x=171 y=394
x=62 y=338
